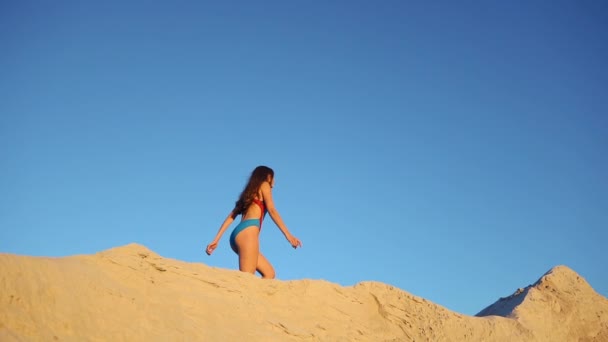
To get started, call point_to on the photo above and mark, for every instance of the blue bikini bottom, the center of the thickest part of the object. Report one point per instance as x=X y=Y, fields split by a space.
x=244 y=224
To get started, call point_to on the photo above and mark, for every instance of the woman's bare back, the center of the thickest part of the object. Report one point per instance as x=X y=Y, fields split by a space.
x=254 y=211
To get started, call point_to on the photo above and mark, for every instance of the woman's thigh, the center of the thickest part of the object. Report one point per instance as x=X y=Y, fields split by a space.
x=248 y=245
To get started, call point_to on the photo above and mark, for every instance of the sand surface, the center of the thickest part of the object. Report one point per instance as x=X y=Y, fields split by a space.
x=130 y=293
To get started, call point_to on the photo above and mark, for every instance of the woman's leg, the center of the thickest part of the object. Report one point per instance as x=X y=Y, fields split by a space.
x=248 y=249
x=265 y=268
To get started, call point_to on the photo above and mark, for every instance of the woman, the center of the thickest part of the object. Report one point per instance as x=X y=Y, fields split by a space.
x=252 y=205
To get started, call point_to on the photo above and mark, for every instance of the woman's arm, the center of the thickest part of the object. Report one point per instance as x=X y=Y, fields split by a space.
x=227 y=222
x=274 y=214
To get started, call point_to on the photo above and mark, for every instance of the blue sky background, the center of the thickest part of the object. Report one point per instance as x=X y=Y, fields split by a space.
x=456 y=150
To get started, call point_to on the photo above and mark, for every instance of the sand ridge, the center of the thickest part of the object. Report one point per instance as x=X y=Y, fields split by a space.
x=130 y=293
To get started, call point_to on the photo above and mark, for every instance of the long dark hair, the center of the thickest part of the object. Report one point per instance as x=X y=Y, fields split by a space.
x=258 y=176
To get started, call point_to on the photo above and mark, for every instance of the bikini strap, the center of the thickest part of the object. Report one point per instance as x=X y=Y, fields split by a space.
x=262 y=207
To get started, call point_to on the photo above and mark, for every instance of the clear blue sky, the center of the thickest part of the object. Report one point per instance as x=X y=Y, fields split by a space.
x=456 y=150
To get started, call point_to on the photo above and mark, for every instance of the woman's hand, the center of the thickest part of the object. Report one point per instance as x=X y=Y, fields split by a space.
x=294 y=241
x=211 y=247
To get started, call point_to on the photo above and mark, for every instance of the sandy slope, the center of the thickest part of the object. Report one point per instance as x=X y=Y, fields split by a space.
x=132 y=294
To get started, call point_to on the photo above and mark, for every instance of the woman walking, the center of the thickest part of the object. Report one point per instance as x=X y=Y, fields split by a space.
x=252 y=205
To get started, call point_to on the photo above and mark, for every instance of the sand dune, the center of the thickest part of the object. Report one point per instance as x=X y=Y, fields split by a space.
x=132 y=294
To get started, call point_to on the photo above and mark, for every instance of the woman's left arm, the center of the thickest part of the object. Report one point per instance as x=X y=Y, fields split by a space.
x=276 y=217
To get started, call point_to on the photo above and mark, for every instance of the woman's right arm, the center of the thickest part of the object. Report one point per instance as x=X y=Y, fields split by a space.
x=227 y=222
